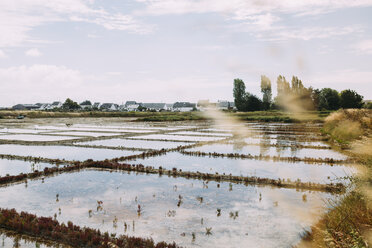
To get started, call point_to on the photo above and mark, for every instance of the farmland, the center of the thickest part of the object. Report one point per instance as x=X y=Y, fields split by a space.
x=118 y=182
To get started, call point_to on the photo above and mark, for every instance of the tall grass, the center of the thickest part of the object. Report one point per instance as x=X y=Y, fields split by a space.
x=349 y=221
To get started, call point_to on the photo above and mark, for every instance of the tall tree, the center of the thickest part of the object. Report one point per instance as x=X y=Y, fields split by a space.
x=267 y=93
x=297 y=86
x=239 y=94
x=350 y=99
x=252 y=102
x=315 y=97
x=283 y=89
x=329 y=99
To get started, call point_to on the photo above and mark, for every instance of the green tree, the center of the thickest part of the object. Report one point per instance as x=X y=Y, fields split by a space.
x=252 y=102
x=86 y=102
x=239 y=94
x=297 y=86
x=315 y=97
x=329 y=99
x=350 y=99
x=283 y=90
x=70 y=105
x=266 y=90
x=368 y=105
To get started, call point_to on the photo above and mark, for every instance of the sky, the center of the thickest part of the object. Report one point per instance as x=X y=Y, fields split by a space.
x=178 y=50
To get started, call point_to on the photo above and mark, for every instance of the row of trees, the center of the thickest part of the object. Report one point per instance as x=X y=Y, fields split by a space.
x=294 y=94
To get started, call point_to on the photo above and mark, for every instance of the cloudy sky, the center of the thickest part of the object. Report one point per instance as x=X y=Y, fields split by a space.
x=178 y=50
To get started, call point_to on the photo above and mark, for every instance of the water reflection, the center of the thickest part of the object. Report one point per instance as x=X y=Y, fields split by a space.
x=190 y=212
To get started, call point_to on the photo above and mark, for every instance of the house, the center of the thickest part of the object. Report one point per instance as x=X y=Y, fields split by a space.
x=25 y=107
x=86 y=105
x=122 y=107
x=55 y=105
x=132 y=107
x=154 y=106
x=183 y=106
x=128 y=103
x=109 y=107
x=45 y=106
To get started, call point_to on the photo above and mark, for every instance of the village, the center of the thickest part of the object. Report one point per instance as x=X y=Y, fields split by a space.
x=130 y=106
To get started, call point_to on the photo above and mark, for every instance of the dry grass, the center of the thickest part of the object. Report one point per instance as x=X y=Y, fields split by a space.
x=345 y=126
x=349 y=222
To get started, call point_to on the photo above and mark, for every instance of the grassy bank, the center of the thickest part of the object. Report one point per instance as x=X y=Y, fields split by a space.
x=264 y=116
x=349 y=222
x=139 y=116
x=280 y=116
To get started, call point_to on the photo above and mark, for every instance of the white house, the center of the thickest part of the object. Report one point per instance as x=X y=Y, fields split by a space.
x=55 y=105
x=132 y=107
x=109 y=107
x=183 y=106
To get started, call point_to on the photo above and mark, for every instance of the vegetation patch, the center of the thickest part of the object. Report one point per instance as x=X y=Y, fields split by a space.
x=267 y=157
x=349 y=221
x=70 y=234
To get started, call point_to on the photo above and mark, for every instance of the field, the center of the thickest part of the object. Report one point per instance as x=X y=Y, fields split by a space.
x=165 y=184
x=264 y=116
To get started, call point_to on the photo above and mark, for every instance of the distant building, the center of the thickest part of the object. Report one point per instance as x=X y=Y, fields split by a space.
x=86 y=105
x=128 y=103
x=109 y=107
x=183 y=106
x=56 y=105
x=25 y=107
x=132 y=107
x=45 y=106
x=154 y=106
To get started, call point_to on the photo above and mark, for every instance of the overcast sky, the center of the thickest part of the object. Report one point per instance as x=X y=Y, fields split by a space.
x=178 y=50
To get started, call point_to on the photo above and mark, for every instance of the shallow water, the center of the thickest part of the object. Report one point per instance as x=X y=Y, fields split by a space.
x=30 y=137
x=271 y=151
x=145 y=144
x=16 y=167
x=320 y=173
x=285 y=142
x=178 y=137
x=261 y=216
x=64 y=152
x=9 y=241
x=19 y=130
x=91 y=134
x=191 y=133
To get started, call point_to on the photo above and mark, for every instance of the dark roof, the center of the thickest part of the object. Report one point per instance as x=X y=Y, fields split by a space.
x=183 y=105
x=130 y=103
x=25 y=106
x=154 y=105
x=108 y=105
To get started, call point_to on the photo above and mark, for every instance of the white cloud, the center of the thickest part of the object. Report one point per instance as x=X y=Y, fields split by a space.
x=262 y=18
x=2 y=54
x=364 y=46
x=242 y=9
x=33 y=52
x=38 y=83
x=309 y=33
x=18 y=18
